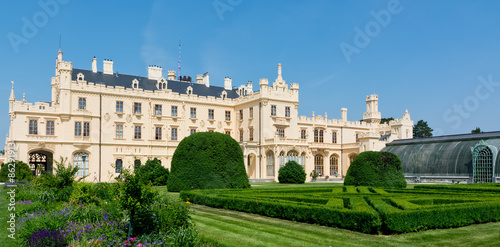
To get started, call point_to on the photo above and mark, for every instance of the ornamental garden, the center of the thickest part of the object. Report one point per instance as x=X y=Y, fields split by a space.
x=207 y=169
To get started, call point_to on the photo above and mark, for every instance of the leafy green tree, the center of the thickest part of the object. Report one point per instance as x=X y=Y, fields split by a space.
x=476 y=131
x=154 y=172
x=386 y=120
x=292 y=173
x=421 y=129
x=22 y=171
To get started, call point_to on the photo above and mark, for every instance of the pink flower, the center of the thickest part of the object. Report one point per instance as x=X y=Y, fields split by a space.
x=139 y=245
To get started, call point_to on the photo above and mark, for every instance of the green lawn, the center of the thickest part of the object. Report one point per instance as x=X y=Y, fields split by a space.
x=232 y=228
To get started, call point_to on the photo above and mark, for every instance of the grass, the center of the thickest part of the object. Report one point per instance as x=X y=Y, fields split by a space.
x=232 y=228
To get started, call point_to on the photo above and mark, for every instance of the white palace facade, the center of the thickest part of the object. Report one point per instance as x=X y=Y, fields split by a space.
x=102 y=120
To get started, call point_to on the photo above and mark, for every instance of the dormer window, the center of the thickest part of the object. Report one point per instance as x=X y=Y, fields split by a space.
x=135 y=84
x=224 y=95
x=161 y=84
x=80 y=77
x=189 y=90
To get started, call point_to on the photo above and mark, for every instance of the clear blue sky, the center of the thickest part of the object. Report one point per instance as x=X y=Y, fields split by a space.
x=427 y=58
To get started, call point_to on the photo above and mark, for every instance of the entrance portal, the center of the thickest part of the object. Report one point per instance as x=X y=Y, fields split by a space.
x=251 y=162
x=40 y=161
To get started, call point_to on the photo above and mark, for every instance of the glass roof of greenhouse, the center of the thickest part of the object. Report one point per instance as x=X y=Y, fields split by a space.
x=441 y=155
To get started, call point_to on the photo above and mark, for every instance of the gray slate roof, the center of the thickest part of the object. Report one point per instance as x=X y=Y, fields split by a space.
x=146 y=84
x=448 y=138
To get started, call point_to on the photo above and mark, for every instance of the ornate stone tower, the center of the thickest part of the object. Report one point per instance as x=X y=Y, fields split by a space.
x=372 y=115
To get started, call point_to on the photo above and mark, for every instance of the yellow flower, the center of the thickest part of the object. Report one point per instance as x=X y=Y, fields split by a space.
x=188 y=202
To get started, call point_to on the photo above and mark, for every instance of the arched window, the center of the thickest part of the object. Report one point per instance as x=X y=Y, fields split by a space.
x=224 y=95
x=303 y=160
x=81 y=160
x=334 y=165
x=270 y=163
x=318 y=164
x=282 y=159
x=118 y=165
x=135 y=83
x=292 y=155
x=189 y=90
x=352 y=157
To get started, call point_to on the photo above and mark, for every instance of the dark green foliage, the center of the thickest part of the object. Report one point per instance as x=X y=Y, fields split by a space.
x=154 y=172
x=135 y=196
x=292 y=173
x=476 y=131
x=378 y=169
x=207 y=160
x=21 y=170
x=421 y=129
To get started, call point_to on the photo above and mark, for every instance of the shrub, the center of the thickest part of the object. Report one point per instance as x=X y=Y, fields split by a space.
x=379 y=169
x=207 y=160
x=22 y=171
x=45 y=237
x=292 y=173
x=153 y=171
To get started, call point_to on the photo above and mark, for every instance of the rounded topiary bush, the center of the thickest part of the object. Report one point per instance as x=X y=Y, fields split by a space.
x=291 y=173
x=379 y=169
x=207 y=160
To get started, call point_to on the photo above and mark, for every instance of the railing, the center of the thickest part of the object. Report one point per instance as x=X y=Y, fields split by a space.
x=41 y=137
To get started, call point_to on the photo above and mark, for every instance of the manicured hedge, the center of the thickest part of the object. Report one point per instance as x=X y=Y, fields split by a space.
x=21 y=170
x=207 y=160
x=379 y=169
x=364 y=209
x=365 y=219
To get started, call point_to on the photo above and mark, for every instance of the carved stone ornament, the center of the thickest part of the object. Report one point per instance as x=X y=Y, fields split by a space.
x=219 y=124
x=129 y=118
x=202 y=123
x=107 y=117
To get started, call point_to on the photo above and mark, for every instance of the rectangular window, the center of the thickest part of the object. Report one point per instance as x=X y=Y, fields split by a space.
x=357 y=138
x=33 y=129
x=118 y=165
x=228 y=116
x=251 y=112
x=211 y=114
x=137 y=132
x=320 y=135
x=86 y=129
x=303 y=134
x=137 y=108
x=119 y=131
x=193 y=112
x=78 y=128
x=241 y=114
x=158 y=110
x=250 y=137
x=334 y=137
x=287 y=111
x=241 y=135
x=158 y=133
x=228 y=132
x=281 y=132
x=174 y=111
x=82 y=103
x=49 y=130
x=173 y=135
x=119 y=106
x=273 y=110
x=211 y=131
x=192 y=131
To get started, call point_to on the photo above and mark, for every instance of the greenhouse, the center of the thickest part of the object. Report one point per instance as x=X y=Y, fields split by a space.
x=469 y=158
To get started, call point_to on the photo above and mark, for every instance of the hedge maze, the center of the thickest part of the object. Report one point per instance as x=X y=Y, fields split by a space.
x=364 y=209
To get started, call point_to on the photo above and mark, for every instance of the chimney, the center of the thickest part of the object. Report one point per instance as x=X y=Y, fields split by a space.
x=154 y=72
x=199 y=79
x=206 y=79
x=107 y=67
x=171 y=75
x=94 y=65
x=344 y=114
x=228 y=83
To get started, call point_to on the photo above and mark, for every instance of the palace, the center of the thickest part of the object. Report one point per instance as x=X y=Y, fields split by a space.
x=102 y=121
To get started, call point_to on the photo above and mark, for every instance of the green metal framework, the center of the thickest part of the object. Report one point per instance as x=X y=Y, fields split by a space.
x=483 y=162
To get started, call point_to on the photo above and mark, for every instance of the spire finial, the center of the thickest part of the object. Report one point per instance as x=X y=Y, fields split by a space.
x=24 y=97
x=279 y=72
x=12 y=96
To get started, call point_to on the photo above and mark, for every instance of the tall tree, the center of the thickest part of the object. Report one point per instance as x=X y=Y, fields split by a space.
x=421 y=129
x=477 y=130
